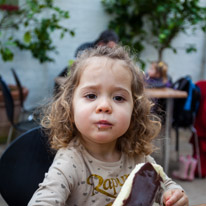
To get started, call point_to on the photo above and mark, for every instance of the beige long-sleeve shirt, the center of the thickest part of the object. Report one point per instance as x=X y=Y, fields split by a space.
x=76 y=178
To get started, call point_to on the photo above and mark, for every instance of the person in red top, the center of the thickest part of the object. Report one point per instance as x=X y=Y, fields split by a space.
x=200 y=126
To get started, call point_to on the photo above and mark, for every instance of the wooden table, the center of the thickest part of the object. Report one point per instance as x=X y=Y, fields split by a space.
x=159 y=93
x=165 y=93
x=169 y=94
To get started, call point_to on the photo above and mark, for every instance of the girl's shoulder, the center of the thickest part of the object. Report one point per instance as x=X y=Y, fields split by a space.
x=69 y=161
x=73 y=150
x=136 y=159
x=141 y=158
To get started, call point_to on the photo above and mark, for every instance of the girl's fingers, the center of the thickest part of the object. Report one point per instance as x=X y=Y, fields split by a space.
x=181 y=202
x=172 y=197
x=177 y=198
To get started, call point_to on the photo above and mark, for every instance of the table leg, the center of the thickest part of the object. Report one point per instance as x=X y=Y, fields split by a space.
x=166 y=144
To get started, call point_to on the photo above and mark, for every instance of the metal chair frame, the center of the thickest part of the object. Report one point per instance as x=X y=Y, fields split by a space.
x=21 y=126
x=23 y=166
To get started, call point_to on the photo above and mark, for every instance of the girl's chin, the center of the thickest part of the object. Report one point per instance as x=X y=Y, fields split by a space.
x=101 y=138
x=105 y=140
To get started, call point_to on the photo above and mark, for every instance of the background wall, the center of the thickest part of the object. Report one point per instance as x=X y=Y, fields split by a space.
x=88 y=20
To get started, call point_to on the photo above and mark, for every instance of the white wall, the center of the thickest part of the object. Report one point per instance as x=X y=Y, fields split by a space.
x=88 y=19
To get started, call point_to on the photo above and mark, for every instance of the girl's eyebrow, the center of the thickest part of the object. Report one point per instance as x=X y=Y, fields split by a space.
x=94 y=87
x=89 y=87
x=118 y=88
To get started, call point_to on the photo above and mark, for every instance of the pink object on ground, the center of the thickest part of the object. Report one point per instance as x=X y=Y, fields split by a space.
x=182 y=173
x=192 y=167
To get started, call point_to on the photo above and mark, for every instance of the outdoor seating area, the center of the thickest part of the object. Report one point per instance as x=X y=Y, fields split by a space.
x=102 y=103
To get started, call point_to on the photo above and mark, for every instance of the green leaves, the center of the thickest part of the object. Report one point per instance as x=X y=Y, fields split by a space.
x=155 y=22
x=27 y=37
x=6 y=54
x=2 y=2
x=191 y=48
x=37 y=30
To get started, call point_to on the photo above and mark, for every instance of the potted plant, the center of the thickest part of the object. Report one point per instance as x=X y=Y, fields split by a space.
x=4 y=122
x=154 y=22
x=35 y=21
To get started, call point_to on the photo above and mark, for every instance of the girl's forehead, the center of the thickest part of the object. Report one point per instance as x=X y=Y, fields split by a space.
x=95 y=67
x=106 y=73
x=105 y=63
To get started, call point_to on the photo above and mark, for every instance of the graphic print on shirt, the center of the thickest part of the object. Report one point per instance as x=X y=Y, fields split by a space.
x=106 y=186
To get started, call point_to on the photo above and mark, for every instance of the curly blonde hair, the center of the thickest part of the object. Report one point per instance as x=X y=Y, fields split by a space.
x=161 y=68
x=58 y=117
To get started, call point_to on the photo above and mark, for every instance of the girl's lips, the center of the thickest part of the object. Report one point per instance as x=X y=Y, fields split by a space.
x=103 y=124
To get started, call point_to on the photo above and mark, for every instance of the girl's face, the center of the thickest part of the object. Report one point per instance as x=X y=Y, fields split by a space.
x=102 y=101
x=152 y=72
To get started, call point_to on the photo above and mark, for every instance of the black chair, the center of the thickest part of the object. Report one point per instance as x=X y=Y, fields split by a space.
x=63 y=73
x=23 y=166
x=21 y=126
x=25 y=113
x=182 y=117
x=20 y=88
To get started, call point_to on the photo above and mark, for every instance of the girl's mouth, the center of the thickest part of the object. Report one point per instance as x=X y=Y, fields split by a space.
x=103 y=124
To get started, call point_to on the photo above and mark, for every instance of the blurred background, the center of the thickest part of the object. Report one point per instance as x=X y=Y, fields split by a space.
x=86 y=19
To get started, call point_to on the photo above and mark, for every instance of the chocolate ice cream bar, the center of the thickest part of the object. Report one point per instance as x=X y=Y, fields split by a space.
x=141 y=186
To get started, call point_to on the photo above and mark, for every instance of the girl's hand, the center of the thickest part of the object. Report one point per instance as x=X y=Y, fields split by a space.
x=175 y=197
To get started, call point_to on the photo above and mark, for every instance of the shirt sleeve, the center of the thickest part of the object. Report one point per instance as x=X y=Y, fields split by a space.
x=168 y=184
x=58 y=182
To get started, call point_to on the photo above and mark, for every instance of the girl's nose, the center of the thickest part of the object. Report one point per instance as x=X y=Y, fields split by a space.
x=104 y=107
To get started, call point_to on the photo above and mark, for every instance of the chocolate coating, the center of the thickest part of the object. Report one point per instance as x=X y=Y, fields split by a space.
x=145 y=185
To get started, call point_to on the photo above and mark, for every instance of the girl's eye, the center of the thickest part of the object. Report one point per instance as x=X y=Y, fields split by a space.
x=119 y=99
x=91 y=96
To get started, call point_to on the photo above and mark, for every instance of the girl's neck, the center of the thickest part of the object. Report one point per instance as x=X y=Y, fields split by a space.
x=102 y=152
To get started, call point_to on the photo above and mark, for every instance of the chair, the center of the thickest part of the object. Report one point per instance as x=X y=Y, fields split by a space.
x=23 y=166
x=21 y=126
x=200 y=126
x=185 y=109
x=185 y=112
x=24 y=112
x=63 y=73
x=18 y=83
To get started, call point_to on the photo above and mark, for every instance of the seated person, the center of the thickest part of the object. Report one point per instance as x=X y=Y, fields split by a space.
x=157 y=75
x=107 y=37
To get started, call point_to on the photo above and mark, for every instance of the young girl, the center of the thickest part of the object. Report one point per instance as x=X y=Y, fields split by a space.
x=101 y=125
x=157 y=75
